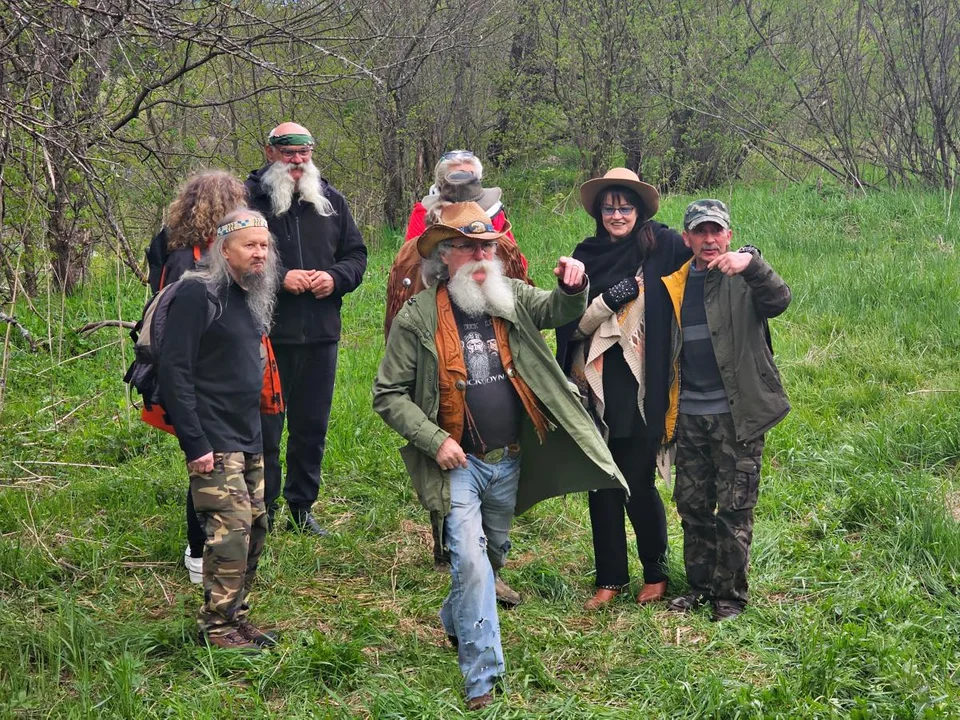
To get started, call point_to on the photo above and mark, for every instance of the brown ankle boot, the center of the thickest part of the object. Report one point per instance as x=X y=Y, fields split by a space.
x=652 y=592
x=603 y=596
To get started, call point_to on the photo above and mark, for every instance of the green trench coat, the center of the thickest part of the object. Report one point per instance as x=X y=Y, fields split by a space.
x=406 y=394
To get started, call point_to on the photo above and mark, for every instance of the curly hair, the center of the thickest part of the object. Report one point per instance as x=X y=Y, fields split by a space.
x=203 y=199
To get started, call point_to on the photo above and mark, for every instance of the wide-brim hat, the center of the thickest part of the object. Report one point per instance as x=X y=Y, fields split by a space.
x=465 y=220
x=624 y=178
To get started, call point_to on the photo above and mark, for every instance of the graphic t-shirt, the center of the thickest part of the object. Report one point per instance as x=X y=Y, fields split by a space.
x=492 y=402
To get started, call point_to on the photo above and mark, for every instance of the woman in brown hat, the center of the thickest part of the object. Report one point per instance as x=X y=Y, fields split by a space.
x=619 y=355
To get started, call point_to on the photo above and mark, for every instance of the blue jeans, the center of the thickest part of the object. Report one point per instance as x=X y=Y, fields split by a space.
x=482 y=499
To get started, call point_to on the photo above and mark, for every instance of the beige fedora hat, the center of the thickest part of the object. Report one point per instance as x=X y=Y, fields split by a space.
x=623 y=177
x=459 y=220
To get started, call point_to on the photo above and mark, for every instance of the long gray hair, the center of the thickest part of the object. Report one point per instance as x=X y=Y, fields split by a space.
x=433 y=269
x=261 y=288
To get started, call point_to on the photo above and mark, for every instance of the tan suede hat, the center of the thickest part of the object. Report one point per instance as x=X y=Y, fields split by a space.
x=626 y=178
x=459 y=220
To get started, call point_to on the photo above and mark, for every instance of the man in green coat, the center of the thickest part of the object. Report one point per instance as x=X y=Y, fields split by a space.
x=729 y=395
x=492 y=424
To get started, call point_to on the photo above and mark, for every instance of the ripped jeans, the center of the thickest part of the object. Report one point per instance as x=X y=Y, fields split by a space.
x=482 y=499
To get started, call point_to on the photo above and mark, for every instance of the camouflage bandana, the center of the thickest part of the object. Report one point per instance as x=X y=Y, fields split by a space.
x=291 y=139
x=706 y=210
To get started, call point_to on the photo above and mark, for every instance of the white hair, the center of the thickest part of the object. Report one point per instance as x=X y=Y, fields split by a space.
x=494 y=296
x=261 y=288
x=280 y=186
x=442 y=168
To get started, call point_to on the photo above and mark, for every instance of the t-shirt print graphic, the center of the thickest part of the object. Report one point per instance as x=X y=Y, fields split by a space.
x=482 y=358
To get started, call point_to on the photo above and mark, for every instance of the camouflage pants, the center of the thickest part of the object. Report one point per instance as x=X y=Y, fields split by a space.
x=718 y=481
x=229 y=504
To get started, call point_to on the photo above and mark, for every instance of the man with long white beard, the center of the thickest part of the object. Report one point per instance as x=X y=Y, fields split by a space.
x=466 y=412
x=322 y=258
x=210 y=377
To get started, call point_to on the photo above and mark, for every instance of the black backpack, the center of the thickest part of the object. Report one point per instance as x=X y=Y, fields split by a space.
x=147 y=336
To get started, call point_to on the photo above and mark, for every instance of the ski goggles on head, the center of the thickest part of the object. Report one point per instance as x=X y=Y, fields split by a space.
x=458 y=155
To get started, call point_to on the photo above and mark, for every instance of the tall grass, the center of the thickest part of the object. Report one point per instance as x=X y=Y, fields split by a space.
x=856 y=562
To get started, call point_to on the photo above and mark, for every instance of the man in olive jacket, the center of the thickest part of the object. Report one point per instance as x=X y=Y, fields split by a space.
x=729 y=394
x=468 y=381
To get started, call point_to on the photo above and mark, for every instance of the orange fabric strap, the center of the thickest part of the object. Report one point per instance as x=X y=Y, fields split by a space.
x=271 y=399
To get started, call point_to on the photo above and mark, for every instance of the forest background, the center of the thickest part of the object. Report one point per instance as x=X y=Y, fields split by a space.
x=833 y=129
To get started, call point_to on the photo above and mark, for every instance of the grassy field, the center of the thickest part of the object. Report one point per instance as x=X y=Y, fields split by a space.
x=856 y=558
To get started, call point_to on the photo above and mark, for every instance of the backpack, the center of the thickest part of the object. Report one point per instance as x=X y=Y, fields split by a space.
x=147 y=336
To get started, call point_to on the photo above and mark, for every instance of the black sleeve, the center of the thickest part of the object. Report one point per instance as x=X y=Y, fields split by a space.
x=676 y=252
x=156 y=257
x=351 y=254
x=178 y=262
x=186 y=323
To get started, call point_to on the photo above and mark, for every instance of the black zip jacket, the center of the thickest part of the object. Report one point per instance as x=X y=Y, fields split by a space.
x=307 y=240
x=210 y=377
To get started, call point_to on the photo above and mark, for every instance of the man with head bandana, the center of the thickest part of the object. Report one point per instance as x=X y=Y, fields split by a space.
x=210 y=377
x=322 y=258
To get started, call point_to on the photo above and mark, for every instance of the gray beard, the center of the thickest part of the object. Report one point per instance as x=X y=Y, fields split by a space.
x=281 y=187
x=479 y=365
x=261 y=289
x=494 y=297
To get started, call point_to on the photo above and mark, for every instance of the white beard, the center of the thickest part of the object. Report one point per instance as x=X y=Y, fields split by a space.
x=493 y=297
x=280 y=186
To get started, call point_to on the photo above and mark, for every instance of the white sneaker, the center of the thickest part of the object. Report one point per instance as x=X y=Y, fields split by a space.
x=194 y=567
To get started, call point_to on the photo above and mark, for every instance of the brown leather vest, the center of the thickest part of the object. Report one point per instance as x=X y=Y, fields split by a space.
x=453 y=373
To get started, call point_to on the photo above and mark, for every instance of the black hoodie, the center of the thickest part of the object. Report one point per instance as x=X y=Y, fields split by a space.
x=307 y=240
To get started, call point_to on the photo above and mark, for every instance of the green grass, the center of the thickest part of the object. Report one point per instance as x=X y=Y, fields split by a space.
x=856 y=558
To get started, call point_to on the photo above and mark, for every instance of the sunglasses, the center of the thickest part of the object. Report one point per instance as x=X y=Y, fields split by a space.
x=624 y=210
x=457 y=155
x=471 y=247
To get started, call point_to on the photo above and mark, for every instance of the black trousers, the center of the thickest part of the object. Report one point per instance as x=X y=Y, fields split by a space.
x=307 y=374
x=196 y=535
x=637 y=459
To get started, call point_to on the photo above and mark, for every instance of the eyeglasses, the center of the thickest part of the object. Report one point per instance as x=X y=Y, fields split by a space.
x=471 y=247
x=624 y=210
x=457 y=155
x=290 y=153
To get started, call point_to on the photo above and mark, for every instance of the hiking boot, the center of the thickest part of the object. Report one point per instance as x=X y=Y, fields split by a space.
x=726 y=609
x=303 y=521
x=479 y=702
x=686 y=603
x=232 y=640
x=506 y=595
x=194 y=567
x=255 y=635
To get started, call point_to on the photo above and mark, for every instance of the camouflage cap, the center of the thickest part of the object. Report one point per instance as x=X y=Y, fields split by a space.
x=706 y=210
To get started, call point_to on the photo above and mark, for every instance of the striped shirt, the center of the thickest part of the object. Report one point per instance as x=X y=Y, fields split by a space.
x=701 y=387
